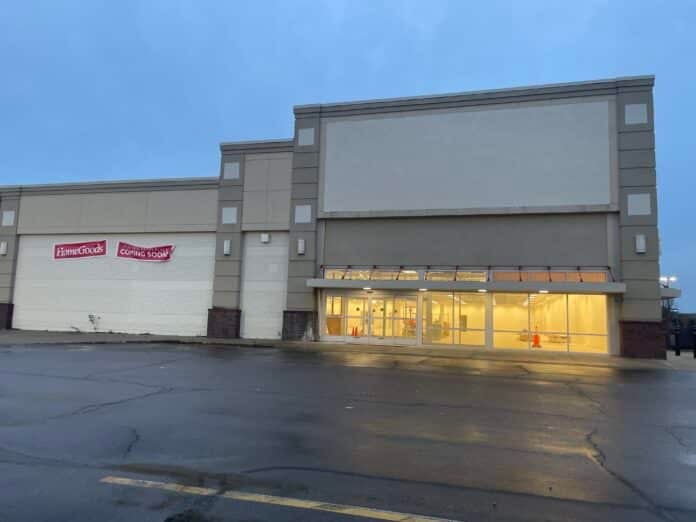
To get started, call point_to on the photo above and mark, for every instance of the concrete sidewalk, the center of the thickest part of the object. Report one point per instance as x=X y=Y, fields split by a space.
x=25 y=337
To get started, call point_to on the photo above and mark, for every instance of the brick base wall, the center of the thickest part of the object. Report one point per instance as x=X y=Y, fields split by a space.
x=299 y=325
x=642 y=339
x=224 y=322
x=6 y=310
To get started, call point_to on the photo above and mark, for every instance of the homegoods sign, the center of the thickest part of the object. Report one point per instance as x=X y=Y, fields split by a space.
x=77 y=250
x=123 y=250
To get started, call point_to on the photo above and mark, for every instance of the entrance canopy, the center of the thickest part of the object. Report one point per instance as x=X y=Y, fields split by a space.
x=579 y=280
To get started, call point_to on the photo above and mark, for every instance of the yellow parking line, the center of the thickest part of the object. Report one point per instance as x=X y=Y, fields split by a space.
x=342 y=509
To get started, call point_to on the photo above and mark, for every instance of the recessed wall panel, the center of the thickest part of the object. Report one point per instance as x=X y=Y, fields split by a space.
x=523 y=155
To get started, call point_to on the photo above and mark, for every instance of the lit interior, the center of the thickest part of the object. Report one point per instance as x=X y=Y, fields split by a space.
x=544 y=321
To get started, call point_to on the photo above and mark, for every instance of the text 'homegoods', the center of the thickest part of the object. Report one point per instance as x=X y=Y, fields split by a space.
x=77 y=250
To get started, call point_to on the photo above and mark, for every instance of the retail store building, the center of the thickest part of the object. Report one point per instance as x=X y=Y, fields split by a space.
x=509 y=219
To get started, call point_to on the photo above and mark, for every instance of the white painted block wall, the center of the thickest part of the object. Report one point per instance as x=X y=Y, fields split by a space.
x=127 y=295
x=264 y=285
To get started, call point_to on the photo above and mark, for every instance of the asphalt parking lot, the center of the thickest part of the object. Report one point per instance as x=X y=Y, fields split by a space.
x=155 y=432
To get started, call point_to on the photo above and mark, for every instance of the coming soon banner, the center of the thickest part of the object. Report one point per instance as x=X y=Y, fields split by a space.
x=125 y=250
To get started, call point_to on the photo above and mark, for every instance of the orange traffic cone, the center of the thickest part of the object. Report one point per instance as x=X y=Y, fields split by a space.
x=536 y=340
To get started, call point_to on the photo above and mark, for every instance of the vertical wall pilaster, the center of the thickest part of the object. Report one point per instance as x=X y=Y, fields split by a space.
x=9 y=218
x=224 y=317
x=640 y=248
x=300 y=317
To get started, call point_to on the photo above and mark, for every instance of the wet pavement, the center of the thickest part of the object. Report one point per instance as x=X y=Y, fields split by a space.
x=461 y=439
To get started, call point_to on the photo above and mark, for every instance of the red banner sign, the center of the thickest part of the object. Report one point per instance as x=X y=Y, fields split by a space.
x=156 y=253
x=77 y=250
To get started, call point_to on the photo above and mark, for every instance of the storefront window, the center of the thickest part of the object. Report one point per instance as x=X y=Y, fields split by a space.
x=334 y=315
x=587 y=323
x=543 y=321
x=405 y=313
x=511 y=321
x=470 y=319
x=548 y=321
x=454 y=318
x=438 y=317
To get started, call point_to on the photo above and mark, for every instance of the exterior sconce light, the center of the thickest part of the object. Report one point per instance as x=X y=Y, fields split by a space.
x=226 y=247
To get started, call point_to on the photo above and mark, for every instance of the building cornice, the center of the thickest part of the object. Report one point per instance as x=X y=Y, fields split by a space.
x=256 y=147
x=112 y=186
x=485 y=97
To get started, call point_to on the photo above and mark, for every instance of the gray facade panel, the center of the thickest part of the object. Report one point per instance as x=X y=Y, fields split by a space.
x=636 y=140
x=304 y=160
x=227 y=283
x=633 y=159
x=642 y=289
x=226 y=299
x=301 y=300
x=306 y=175
x=305 y=191
x=151 y=211
x=641 y=310
x=645 y=270
x=644 y=177
x=227 y=267
x=558 y=240
x=230 y=193
x=306 y=269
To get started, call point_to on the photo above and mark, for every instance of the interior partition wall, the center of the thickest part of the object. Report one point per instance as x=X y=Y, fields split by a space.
x=524 y=321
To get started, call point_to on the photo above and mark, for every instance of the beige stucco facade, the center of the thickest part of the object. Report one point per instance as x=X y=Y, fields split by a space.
x=549 y=178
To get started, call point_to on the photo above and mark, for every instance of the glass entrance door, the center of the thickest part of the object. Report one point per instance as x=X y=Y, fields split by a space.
x=357 y=319
x=393 y=319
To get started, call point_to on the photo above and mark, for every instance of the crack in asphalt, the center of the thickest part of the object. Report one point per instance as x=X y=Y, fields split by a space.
x=680 y=441
x=26 y=459
x=90 y=408
x=132 y=443
x=148 y=365
x=597 y=455
x=582 y=393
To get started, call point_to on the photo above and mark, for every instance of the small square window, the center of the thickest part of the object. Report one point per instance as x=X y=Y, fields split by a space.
x=8 y=218
x=635 y=113
x=305 y=137
x=231 y=170
x=229 y=215
x=639 y=205
x=303 y=213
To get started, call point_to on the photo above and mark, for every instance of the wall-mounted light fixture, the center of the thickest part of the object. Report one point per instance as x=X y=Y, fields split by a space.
x=640 y=244
x=300 y=247
x=3 y=248
x=265 y=237
x=226 y=247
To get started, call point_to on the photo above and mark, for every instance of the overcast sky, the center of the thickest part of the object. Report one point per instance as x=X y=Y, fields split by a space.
x=123 y=89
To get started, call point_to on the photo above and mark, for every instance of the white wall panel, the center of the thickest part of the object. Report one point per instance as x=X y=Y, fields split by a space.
x=264 y=285
x=504 y=157
x=128 y=295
